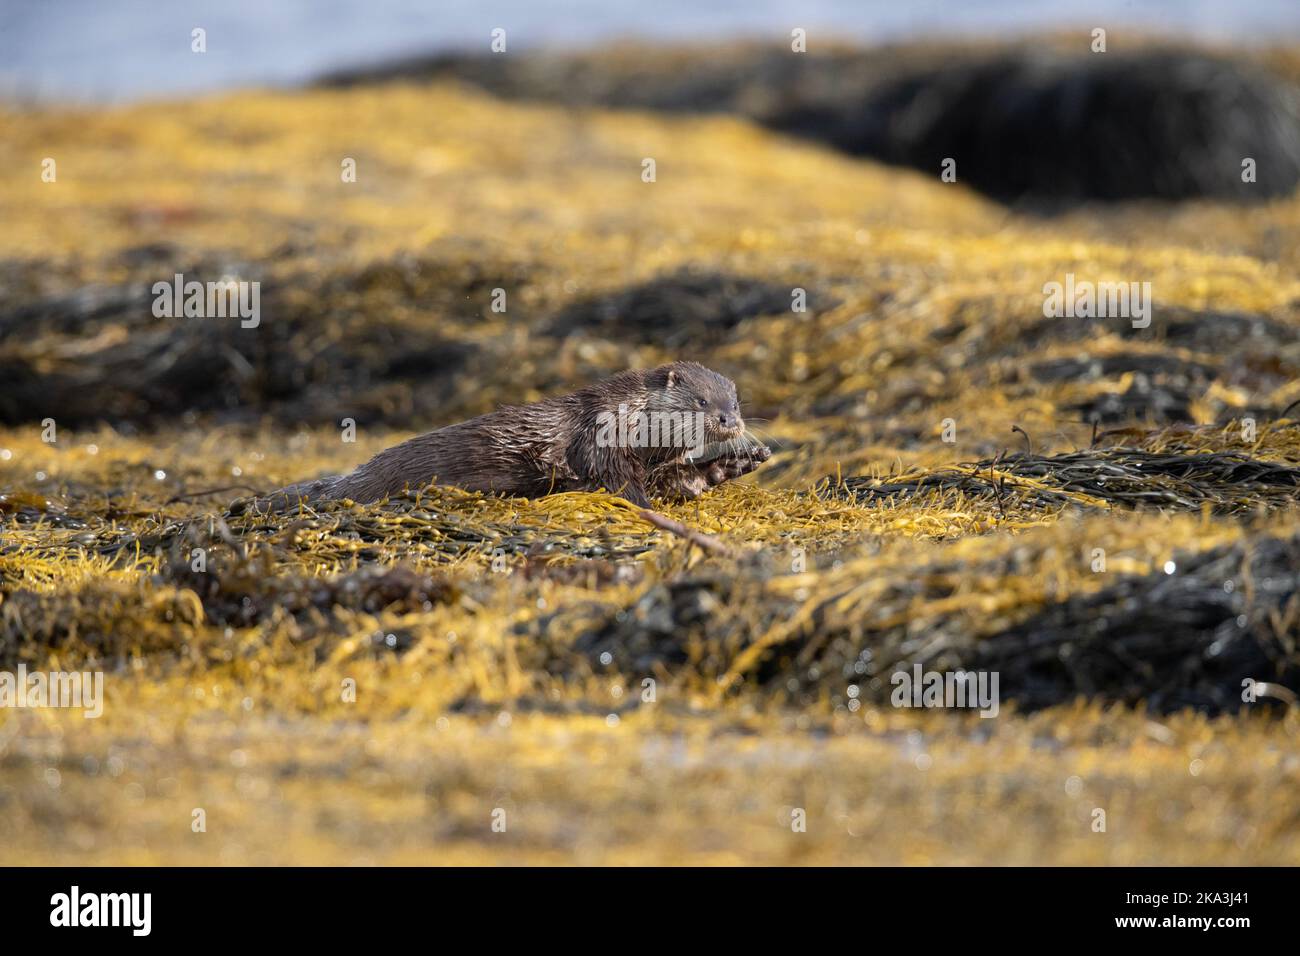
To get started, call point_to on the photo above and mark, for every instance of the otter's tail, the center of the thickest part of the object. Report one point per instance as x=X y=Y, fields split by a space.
x=290 y=497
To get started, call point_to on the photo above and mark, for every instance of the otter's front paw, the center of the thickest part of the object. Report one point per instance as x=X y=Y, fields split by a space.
x=734 y=466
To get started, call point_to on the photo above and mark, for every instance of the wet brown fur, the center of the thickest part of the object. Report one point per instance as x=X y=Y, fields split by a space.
x=552 y=446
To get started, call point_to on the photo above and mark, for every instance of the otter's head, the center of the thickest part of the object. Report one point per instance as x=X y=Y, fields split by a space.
x=688 y=388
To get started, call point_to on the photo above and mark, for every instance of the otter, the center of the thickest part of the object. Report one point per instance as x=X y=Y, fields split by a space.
x=672 y=432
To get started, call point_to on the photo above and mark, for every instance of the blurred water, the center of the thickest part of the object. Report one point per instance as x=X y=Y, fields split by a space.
x=123 y=49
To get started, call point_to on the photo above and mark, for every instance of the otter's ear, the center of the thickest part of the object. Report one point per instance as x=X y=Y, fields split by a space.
x=671 y=380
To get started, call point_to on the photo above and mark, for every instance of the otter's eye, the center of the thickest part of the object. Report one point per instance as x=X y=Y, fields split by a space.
x=701 y=402
x=735 y=404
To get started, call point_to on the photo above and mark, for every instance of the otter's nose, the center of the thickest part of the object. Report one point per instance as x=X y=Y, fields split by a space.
x=725 y=420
